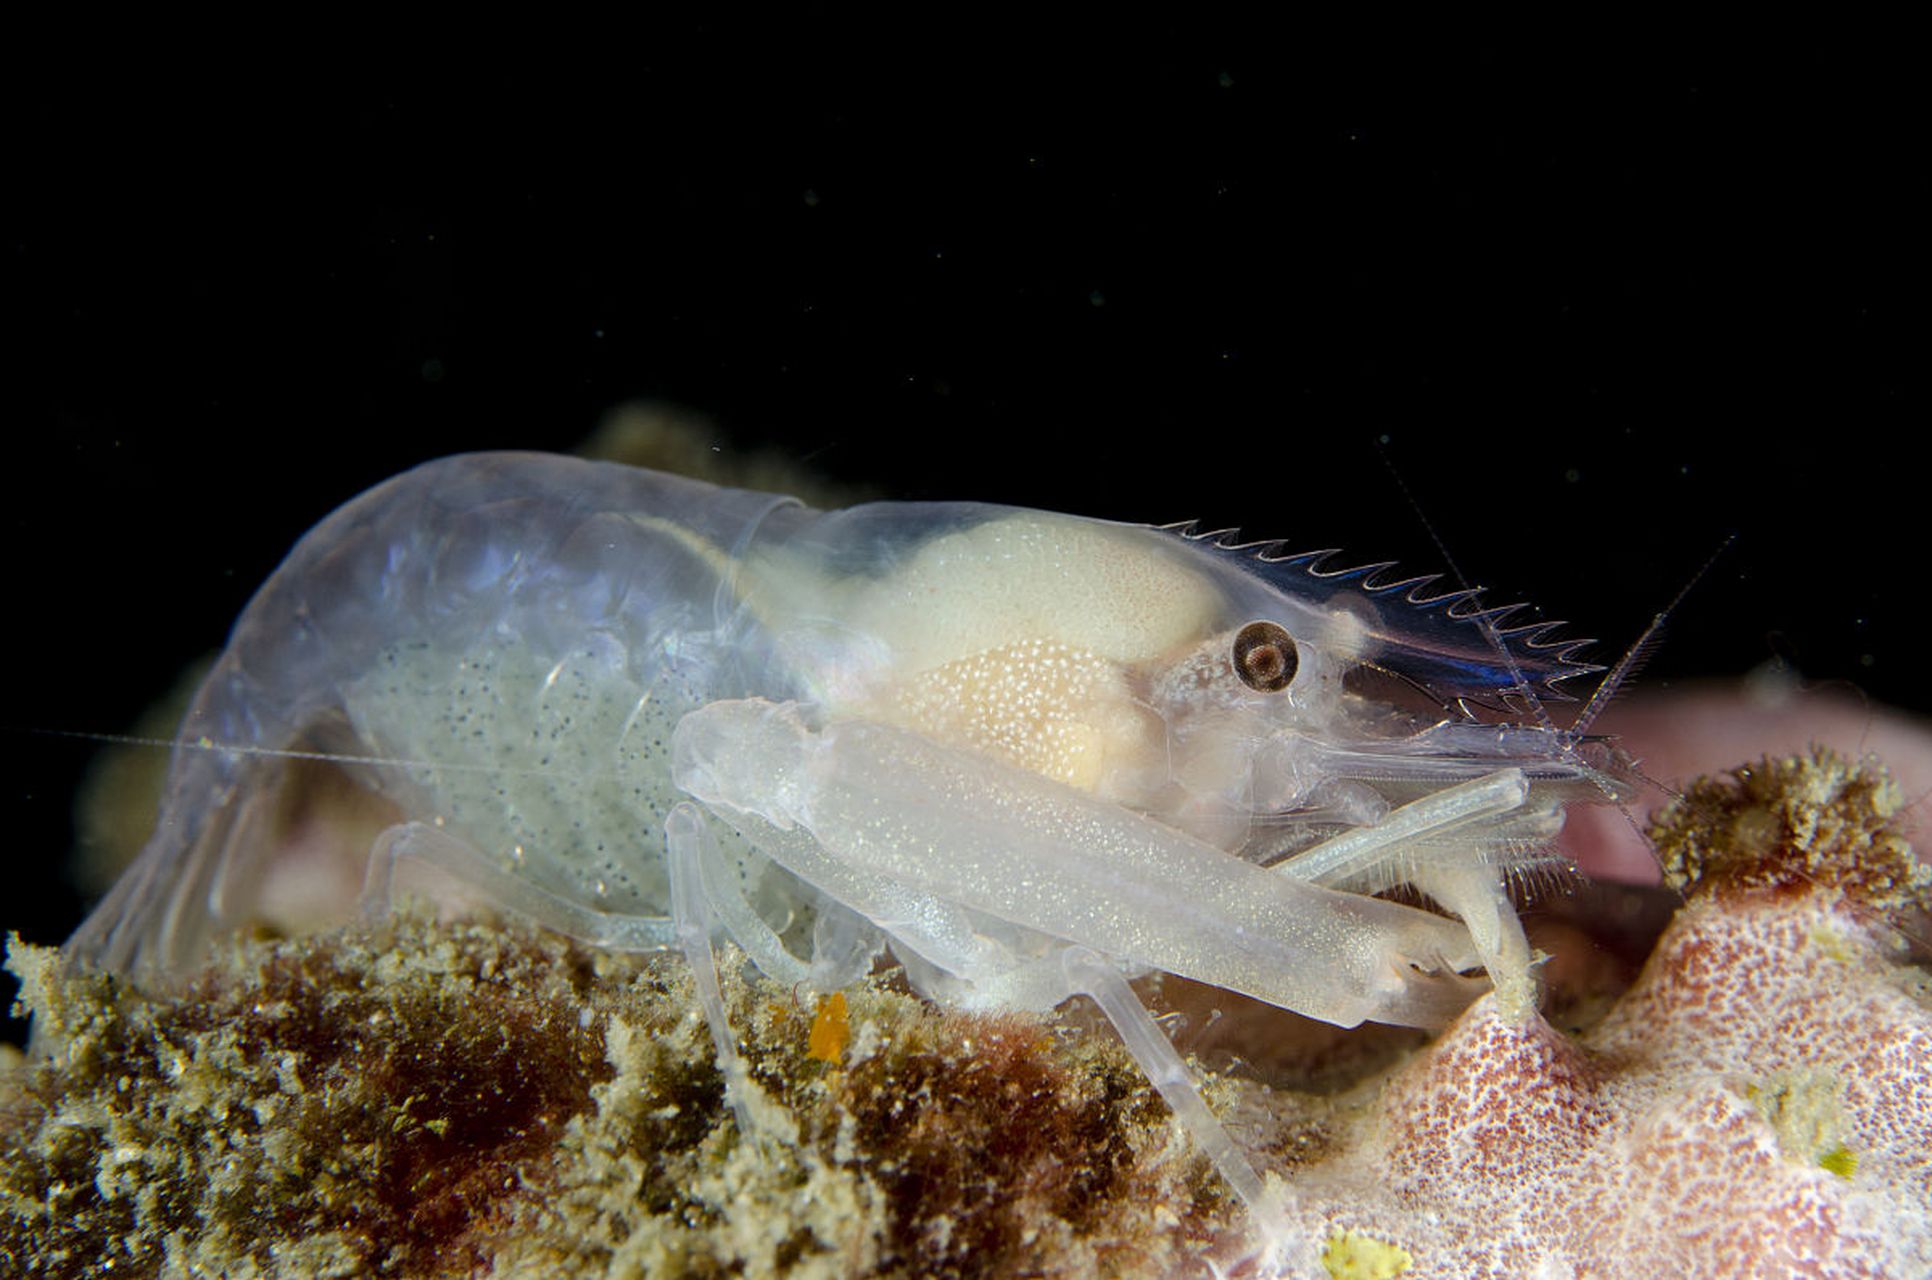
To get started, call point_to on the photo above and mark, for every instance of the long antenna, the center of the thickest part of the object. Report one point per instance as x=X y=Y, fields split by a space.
x=1481 y=618
x=246 y=750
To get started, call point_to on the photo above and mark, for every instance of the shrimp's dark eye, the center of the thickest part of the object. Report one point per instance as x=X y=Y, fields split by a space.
x=1264 y=657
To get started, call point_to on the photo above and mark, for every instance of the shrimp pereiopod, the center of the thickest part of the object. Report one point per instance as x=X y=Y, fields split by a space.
x=1032 y=754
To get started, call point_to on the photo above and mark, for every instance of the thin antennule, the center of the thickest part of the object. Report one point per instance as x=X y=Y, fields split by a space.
x=1485 y=619
x=1626 y=669
x=1632 y=662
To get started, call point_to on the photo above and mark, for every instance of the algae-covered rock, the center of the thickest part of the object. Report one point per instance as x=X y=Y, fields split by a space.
x=421 y=1099
x=1801 y=821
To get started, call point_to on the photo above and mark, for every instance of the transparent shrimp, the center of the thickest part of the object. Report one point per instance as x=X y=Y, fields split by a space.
x=1032 y=754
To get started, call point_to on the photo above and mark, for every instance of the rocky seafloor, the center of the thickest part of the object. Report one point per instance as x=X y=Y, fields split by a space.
x=413 y=1098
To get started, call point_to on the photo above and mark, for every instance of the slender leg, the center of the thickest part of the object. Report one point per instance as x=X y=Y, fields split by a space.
x=685 y=840
x=844 y=945
x=1409 y=845
x=1091 y=975
x=483 y=878
x=1480 y=899
x=725 y=902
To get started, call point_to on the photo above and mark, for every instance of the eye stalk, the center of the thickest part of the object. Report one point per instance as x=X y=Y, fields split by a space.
x=1264 y=657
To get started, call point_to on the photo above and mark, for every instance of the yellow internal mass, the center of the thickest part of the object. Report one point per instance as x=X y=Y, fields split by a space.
x=1041 y=704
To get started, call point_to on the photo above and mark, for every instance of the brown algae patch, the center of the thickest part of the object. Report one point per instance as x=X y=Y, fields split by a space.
x=420 y=1099
x=345 y=1107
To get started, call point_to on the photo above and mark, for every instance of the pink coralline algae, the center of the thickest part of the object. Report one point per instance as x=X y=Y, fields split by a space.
x=1758 y=1104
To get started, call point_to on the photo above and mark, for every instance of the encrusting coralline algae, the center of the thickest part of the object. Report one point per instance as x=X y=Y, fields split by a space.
x=423 y=1099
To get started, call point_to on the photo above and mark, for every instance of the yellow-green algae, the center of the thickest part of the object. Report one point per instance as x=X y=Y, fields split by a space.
x=1841 y=1160
x=1806 y=1110
x=1350 y=1255
x=420 y=1099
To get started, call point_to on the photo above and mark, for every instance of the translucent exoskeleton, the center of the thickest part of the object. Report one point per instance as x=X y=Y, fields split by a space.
x=1032 y=754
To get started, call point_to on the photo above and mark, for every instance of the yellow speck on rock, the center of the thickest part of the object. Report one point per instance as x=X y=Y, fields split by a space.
x=1350 y=1255
x=1806 y=1111
x=830 y=1029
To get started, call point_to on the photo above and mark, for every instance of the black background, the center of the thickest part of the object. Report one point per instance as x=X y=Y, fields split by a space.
x=1608 y=306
